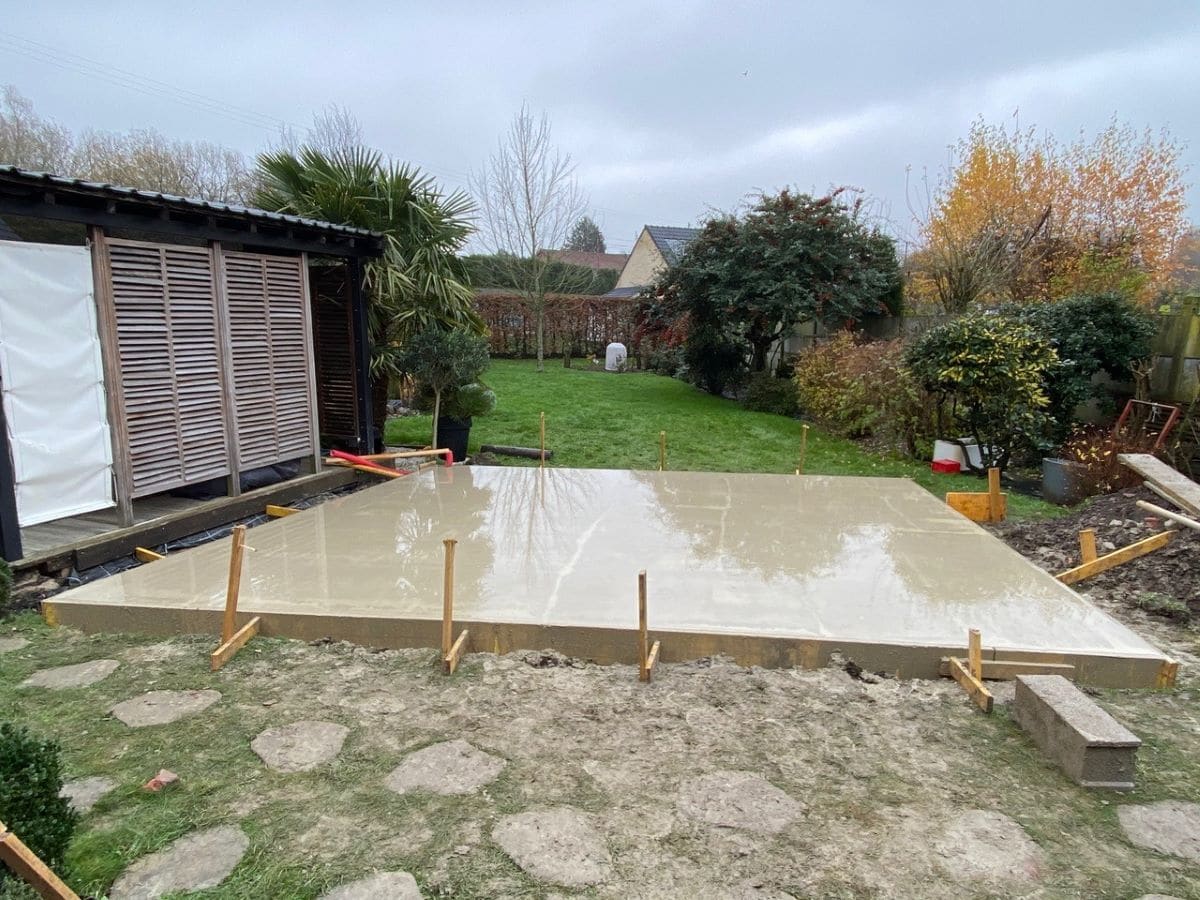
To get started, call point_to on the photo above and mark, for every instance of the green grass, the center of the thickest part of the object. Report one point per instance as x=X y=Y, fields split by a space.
x=596 y=419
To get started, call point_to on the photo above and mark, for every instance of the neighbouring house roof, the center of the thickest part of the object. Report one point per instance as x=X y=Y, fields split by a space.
x=671 y=241
x=587 y=258
x=620 y=293
x=41 y=194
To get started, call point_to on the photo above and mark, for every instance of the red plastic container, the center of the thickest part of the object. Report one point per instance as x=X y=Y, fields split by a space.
x=946 y=466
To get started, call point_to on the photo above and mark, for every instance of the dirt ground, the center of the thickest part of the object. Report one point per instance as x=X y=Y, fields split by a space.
x=714 y=781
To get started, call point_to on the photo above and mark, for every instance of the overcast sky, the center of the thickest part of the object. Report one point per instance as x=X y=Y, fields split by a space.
x=669 y=109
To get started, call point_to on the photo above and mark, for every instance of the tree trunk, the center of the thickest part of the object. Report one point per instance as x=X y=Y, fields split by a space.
x=541 y=329
x=437 y=411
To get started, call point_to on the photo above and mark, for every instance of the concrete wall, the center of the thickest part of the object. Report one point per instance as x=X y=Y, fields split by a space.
x=644 y=263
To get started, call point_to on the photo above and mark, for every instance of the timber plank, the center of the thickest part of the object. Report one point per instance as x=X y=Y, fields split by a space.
x=1110 y=560
x=1180 y=489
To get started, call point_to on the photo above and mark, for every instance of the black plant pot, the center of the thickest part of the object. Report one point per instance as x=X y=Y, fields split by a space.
x=453 y=434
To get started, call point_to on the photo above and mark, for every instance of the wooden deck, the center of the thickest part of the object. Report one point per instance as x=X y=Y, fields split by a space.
x=90 y=540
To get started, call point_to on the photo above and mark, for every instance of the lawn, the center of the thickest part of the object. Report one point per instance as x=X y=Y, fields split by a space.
x=597 y=419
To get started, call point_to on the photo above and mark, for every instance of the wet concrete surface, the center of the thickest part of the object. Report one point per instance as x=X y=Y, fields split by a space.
x=814 y=557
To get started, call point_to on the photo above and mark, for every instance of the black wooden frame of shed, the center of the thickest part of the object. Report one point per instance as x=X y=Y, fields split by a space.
x=38 y=195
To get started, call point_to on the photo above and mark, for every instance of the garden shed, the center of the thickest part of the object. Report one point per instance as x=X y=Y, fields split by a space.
x=152 y=343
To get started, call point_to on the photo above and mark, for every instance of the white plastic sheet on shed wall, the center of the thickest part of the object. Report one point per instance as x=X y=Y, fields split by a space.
x=53 y=382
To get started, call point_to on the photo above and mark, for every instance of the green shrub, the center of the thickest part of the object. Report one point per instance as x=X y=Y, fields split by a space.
x=30 y=781
x=864 y=390
x=666 y=361
x=1091 y=333
x=6 y=583
x=767 y=393
x=987 y=374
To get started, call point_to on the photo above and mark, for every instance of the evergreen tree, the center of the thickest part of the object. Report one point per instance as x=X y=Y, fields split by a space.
x=586 y=236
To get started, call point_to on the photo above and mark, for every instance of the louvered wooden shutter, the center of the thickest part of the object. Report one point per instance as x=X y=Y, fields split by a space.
x=333 y=349
x=271 y=358
x=167 y=335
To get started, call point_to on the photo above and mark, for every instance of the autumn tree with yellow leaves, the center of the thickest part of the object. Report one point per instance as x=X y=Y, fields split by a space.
x=1019 y=216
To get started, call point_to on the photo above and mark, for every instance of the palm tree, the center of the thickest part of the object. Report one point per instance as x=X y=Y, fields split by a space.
x=419 y=282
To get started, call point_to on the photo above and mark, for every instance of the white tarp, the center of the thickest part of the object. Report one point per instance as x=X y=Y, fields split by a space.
x=53 y=382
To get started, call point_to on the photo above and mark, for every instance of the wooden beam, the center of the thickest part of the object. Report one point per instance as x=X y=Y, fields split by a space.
x=803 y=449
x=1185 y=521
x=1087 y=545
x=237 y=640
x=1111 y=560
x=233 y=481
x=233 y=588
x=972 y=685
x=451 y=660
x=1167 y=673
x=662 y=451
x=643 y=640
x=1008 y=669
x=996 y=504
x=146 y=555
x=26 y=864
x=977 y=506
x=448 y=546
x=279 y=512
x=310 y=364
x=975 y=653
x=1176 y=486
x=542 y=444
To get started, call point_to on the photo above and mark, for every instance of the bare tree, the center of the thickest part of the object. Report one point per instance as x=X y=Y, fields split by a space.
x=529 y=201
x=334 y=129
x=29 y=141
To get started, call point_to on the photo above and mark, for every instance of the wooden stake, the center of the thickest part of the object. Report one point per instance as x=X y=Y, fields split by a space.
x=278 y=512
x=241 y=637
x=229 y=625
x=647 y=655
x=662 y=451
x=975 y=653
x=542 y=445
x=1167 y=673
x=996 y=508
x=448 y=597
x=803 y=449
x=25 y=863
x=1109 y=560
x=451 y=660
x=146 y=555
x=1087 y=545
x=972 y=685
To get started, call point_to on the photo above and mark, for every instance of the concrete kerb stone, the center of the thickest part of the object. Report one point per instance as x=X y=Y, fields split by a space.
x=1093 y=748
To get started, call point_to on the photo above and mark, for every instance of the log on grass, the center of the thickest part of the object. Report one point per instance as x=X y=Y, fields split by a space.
x=523 y=452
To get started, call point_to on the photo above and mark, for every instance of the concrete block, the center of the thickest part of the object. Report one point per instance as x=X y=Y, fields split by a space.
x=1092 y=747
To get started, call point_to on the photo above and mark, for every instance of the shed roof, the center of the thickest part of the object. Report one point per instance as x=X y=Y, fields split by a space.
x=41 y=194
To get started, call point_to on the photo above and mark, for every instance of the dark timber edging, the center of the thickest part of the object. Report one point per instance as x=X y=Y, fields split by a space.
x=102 y=548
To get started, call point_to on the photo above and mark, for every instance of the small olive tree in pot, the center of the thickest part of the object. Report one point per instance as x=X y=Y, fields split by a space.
x=446 y=366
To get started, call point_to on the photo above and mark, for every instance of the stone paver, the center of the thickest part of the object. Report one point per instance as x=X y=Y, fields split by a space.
x=196 y=861
x=75 y=676
x=9 y=644
x=300 y=746
x=980 y=844
x=163 y=707
x=737 y=800
x=452 y=767
x=84 y=793
x=558 y=845
x=389 y=885
x=1168 y=826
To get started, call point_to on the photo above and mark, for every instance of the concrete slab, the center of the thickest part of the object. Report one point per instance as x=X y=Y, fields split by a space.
x=774 y=570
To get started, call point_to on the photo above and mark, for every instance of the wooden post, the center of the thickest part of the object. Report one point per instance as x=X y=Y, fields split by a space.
x=26 y=864
x=233 y=483
x=643 y=639
x=803 y=449
x=448 y=597
x=237 y=552
x=995 y=500
x=1087 y=545
x=662 y=451
x=975 y=653
x=542 y=445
